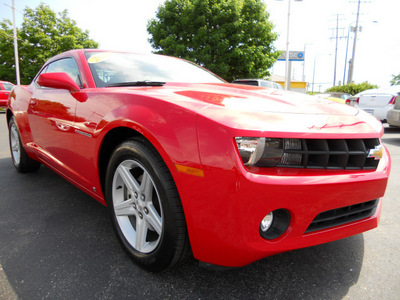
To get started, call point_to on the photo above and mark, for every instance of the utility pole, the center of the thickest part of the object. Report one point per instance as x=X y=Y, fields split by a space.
x=287 y=71
x=15 y=45
x=337 y=39
x=335 y=35
x=351 y=66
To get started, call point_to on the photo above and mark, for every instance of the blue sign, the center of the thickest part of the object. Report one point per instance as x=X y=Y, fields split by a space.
x=293 y=56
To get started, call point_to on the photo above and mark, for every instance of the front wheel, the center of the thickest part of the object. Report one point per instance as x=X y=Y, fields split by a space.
x=145 y=207
x=22 y=162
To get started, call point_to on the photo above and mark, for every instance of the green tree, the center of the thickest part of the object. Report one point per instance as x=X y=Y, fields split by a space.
x=395 y=80
x=7 y=69
x=42 y=35
x=352 y=88
x=232 y=38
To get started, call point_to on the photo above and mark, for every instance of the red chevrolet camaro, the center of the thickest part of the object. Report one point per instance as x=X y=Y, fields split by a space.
x=187 y=163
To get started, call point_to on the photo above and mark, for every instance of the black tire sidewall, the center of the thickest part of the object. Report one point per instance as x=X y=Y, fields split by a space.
x=162 y=256
x=22 y=153
x=26 y=164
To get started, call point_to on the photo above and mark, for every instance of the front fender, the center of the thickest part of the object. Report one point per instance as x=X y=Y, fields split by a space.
x=169 y=128
x=18 y=104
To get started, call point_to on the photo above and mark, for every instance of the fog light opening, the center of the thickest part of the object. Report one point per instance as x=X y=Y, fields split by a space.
x=274 y=224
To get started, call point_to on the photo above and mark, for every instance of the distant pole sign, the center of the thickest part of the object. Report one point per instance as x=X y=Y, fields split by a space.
x=293 y=56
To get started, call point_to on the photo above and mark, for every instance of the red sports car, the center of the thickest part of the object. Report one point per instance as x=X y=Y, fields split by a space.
x=5 y=88
x=187 y=163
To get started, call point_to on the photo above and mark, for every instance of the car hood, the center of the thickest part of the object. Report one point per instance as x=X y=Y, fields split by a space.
x=258 y=99
x=261 y=109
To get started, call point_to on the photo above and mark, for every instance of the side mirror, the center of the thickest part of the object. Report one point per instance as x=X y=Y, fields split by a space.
x=58 y=81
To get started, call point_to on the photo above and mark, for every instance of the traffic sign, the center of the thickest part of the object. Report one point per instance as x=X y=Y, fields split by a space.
x=293 y=56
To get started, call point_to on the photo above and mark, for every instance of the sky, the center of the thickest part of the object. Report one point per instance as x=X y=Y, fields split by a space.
x=121 y=25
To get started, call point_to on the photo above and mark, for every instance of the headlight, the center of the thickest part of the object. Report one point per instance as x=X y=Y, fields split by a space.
x=260 y=152
x=268 y=152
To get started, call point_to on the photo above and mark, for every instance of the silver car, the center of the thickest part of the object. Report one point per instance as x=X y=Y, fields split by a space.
x=393 y=116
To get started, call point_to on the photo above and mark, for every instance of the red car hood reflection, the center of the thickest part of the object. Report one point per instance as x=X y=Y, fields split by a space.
x=261 y=109
x=249 y=98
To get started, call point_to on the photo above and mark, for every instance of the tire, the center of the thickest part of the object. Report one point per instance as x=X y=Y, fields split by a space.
x=22 y=162
x=145 y=207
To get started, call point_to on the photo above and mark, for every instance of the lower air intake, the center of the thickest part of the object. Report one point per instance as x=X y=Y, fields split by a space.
x=343 y=215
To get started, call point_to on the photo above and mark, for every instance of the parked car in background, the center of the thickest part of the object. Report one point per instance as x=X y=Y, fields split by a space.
x=378 y=102
x=340 y=95
x=335 y=96
x=188 y=163
x=393 y=116
x=353 y=100
x=5 y=88
x=259 y=82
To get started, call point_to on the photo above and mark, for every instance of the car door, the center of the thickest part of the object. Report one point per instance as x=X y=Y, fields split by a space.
x=4 y=92
x=51 y=117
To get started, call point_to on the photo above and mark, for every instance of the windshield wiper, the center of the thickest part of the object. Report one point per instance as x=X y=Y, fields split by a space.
x=137 y=83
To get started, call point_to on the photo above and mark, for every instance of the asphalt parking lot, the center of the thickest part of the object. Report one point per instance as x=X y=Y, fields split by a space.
x=57 y=243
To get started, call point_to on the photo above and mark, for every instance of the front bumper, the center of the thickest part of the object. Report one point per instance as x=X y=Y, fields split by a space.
x=224 y=208
x=224 y=216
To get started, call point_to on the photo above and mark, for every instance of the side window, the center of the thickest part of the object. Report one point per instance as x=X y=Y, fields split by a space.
x=8 y=86
x=266 y=84
x=66 y=65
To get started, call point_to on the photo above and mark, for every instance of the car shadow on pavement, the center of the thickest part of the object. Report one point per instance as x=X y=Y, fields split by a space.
x=57 y=242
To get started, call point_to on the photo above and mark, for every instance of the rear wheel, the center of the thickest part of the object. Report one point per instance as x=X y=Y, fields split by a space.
x=22 y=162
x=145 y=207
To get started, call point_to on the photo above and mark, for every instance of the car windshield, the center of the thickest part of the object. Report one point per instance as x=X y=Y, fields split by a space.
x=124 y=69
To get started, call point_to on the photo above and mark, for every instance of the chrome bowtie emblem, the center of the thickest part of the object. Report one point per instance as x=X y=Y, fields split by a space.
x=376 y=153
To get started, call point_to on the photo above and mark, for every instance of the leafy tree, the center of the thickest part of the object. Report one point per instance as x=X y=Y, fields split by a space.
x=395 y=80
x=232 y=38
x=353 y=88
x=42 y=35
x=7 y=69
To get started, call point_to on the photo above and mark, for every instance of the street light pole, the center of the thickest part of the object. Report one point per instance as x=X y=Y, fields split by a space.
x=287 y=75
x=15 y=46
x=351 y=66
x=313 y=76
x=347 y=48
x=337 y=39
x=287 y=72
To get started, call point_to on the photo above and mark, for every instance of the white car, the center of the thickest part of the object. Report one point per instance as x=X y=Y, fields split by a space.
x=378 y=102
x=259 y=82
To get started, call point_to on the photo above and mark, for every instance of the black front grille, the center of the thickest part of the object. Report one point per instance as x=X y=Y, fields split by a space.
x=350 y=154
x=343 y=215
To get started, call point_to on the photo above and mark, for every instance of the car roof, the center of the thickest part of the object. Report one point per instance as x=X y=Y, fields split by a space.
x=250 y=79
